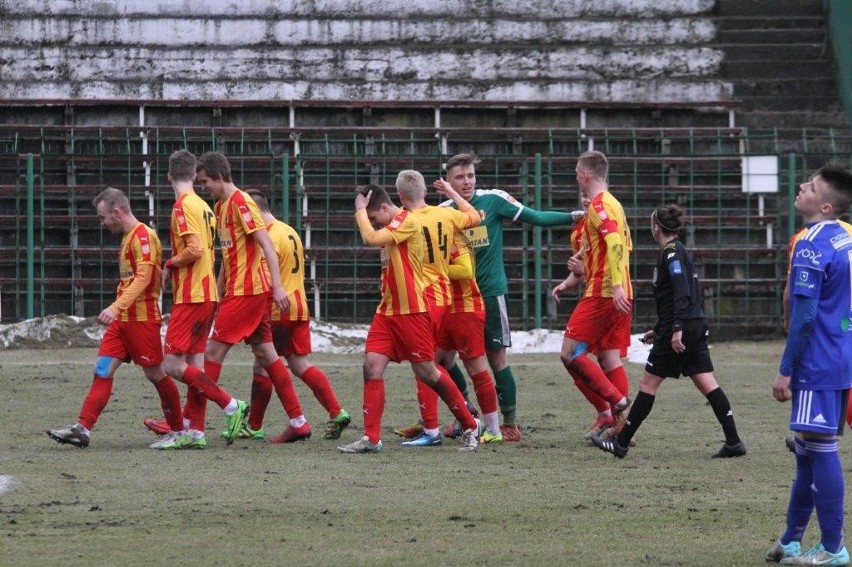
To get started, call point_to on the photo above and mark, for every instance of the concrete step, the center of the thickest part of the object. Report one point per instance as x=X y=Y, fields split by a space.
x=774 y=53
x=783 y=88
x=758 y=8
x=766 y=119
x=806 y=69
x=791 y=104
x=774 y=21
x=771 y=35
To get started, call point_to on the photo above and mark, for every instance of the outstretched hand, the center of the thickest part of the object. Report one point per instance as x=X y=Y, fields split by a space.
x=443 y=187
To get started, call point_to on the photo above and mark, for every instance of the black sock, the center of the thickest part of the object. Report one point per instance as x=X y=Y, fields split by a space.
x=458 y=377
x=641 y=408
x=722 y=408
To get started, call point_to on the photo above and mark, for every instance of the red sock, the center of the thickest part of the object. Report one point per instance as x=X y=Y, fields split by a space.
x=96 y=400
x=590 y=373
x=261 y=393
x=619 y=379
x=195 y=409
x=320 y=385
x=427 y=399
x=284 y=388
x=594 y=399
x=374 y=407
x=205 y=386
x=170 y=402
x=451 y=395
x=849 y=409
x=486 y=392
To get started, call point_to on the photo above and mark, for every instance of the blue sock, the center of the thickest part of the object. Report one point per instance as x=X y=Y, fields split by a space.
x=801 y=503
x=827 y=475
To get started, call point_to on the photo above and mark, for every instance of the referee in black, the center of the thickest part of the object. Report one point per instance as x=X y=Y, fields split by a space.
x=679 y=339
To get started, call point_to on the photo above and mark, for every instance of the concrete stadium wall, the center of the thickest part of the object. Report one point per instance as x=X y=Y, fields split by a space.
x=491 y=50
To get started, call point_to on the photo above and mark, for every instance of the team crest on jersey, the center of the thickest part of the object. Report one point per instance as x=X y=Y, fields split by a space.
x=145 y=245
x=244 y=212
x=394 y=224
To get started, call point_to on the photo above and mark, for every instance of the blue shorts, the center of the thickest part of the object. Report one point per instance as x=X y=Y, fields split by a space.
x=819 y=411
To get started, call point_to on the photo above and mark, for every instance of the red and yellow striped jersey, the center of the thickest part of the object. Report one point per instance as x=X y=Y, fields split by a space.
x=196 y=282
x=605 y=216
x=439 y=226
x=466 y=295
x=577 y=236
x=140 y=246
x=291 y=261
x=403 y=280
x=236 y=219
x=796 y=237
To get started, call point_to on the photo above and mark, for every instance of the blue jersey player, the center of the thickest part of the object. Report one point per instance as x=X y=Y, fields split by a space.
x=816 y=369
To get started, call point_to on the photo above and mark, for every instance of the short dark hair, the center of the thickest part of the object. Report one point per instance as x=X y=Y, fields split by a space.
x=258 y=197
x=182 y=164
x=378 y=198
x=215 y=165
x=839 y=180
x=462 y=160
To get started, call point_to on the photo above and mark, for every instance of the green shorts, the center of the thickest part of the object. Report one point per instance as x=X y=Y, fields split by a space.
x=497 y=333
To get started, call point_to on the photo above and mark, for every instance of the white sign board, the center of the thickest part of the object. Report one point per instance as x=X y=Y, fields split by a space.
x=760 y=174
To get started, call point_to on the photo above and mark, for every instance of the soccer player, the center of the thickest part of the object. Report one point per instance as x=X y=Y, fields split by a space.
x=679 y=338
x=463 y=331
x=603 y=419
x=785 y=304
x=133 y=326
x=601 y=320
x=487 y=243
x=192 y=231
x=291 y=336
x=245 y=286
x=816 y=369
x=401 y=329
x=440 y=226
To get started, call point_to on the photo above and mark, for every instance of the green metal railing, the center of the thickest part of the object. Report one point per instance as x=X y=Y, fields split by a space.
x=56 y=259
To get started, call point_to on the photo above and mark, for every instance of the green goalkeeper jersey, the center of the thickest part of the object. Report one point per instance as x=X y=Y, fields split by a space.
x=487 y=238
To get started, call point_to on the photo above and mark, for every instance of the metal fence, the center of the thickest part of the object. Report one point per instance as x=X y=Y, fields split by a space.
x=56 y=259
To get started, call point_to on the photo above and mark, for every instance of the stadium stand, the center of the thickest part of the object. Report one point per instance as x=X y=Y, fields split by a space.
x=676 y=93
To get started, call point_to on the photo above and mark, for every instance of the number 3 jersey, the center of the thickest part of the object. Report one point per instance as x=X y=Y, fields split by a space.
x=291 y=261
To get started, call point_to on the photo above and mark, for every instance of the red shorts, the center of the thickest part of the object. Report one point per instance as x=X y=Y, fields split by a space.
x=438 y=315
x=291 y=337
x=597 y=322
x=138 y=341
x=189 y=327
x=243 y=318
x=464 y=332
x=402 y=337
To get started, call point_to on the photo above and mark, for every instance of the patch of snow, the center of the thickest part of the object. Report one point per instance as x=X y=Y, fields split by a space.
x=60 y=331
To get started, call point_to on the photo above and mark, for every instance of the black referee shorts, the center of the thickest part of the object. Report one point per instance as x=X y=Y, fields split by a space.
x=666 y=363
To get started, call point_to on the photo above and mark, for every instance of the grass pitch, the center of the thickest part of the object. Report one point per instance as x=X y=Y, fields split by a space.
x=549 y=500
